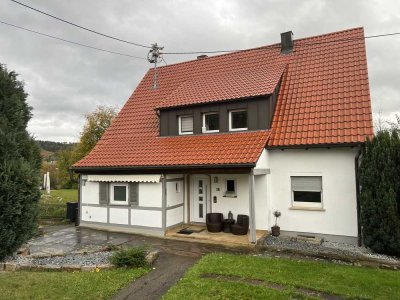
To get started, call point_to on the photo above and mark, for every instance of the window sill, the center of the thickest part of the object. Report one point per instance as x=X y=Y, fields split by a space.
x=238 y=129
x=306 y=208
x=185 y=133
x=230 y=196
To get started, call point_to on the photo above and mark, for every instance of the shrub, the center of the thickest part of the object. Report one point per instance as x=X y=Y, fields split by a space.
x=19 y=166
x=380 y=193
x=131 y=257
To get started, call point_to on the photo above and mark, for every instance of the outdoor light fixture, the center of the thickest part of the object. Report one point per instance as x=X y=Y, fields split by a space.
x=215 y=179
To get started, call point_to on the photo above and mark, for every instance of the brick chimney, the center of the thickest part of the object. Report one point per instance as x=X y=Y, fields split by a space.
x=287 y=42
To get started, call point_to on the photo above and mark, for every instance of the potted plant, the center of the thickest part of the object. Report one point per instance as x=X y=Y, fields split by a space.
x=276 y=230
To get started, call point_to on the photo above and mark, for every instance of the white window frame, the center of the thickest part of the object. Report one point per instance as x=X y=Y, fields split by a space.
x=112 y=201
x=230 y=120
x=180 y=124
x=307 y=205
x=230 y=194
x=204 y=122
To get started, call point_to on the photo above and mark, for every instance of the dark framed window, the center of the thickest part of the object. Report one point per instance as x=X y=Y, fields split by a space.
x=211 y=122
x=307 y=190
x=238 y=120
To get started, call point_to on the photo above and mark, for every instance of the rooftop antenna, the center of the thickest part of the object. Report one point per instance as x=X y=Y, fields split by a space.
x=154 y=57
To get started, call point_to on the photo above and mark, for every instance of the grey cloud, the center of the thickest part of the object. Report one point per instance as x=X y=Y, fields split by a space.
x=64 y=81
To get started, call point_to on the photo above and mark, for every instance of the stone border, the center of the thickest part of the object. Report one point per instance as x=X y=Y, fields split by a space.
x=355 y=259
x=12 y=267
x=151 y=257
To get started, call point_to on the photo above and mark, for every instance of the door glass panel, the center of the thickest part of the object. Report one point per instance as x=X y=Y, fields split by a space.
x=200 y=198
x=200 y=183
x=200 y=210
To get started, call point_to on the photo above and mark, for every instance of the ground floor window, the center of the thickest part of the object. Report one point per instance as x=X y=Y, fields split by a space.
x=119 y=194
x=230 y=189
x=306 y=191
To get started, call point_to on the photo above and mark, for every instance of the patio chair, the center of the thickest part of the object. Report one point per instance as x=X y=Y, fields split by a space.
x=214 y=222
x=242 y=225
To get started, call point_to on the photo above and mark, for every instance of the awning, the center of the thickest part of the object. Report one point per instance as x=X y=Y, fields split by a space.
x=124 y=178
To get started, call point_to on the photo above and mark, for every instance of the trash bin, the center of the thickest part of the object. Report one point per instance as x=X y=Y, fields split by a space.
x=72 y=208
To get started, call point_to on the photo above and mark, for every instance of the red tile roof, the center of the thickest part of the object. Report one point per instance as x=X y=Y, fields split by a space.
x=227 y=86
x=323 y=99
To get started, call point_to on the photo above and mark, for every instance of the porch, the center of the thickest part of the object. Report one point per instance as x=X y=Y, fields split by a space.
x=200 y=234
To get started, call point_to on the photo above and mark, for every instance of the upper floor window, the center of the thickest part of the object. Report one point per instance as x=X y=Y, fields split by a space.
x=186 y=124
x=211 y=122
x=238 y=120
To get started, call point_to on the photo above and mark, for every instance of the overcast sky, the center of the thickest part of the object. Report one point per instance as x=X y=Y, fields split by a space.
x=65 y=81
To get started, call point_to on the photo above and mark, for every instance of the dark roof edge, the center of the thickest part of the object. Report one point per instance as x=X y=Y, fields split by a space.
x=167 y=167
x=339 y=145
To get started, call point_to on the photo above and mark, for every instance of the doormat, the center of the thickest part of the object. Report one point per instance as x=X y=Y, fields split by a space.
x=185 y=231
x=196 y=228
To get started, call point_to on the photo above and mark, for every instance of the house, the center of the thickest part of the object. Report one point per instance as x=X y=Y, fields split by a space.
x=272 y=128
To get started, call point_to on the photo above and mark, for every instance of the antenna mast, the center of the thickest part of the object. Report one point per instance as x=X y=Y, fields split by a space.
x=154 y=57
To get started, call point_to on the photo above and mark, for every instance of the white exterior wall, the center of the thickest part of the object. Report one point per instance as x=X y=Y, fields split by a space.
x=336 y=166
x=147 y=214
x=90 y=193
x=238 y=205
x=119 y=216
x=150 y=194
x=175 y=197
x=94 y=214
x=174 y=216
x=146 y=218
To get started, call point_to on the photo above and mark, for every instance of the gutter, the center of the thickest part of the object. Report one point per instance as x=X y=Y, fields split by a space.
x=356 y=167
x=166 y=167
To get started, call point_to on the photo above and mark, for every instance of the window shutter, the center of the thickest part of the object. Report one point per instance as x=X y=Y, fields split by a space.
x=104 y=193
x=307 y=183
x=134 y=194
x=186 y=124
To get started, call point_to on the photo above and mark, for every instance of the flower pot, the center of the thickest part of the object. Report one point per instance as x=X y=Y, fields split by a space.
x=275 y=230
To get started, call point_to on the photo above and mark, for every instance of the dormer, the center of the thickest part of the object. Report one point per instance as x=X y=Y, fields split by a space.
x=228 y=102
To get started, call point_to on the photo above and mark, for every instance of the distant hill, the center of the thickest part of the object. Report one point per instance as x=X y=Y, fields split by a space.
x=54 y=146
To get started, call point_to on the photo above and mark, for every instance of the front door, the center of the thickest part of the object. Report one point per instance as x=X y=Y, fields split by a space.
x=200 y=190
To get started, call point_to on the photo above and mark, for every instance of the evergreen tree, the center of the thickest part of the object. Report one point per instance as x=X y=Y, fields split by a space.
x=380 y=188
x=19 y=166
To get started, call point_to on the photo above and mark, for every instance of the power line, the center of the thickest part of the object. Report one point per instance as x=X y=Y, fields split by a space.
x=71 y=42
x=297 y=46
x=81 y=27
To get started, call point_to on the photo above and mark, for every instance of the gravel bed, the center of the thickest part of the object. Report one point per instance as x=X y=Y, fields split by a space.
x=326 y=248
x=89 y=259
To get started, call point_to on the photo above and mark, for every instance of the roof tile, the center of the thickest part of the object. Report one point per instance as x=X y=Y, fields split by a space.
x=323 y=99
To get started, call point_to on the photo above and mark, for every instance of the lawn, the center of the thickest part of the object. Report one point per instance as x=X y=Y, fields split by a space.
x=59 y=196
x=226 y=276
x=65 y=285
x=52 y=206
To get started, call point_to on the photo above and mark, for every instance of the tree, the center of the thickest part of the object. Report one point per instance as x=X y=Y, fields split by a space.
x=380 y=192
x=96 y=124
x=19 y=166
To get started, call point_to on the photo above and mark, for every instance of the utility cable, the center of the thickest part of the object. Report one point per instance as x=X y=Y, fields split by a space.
x=71 y=42
x=81 y=27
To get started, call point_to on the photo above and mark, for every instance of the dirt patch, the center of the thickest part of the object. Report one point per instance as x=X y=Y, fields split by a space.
x=275 y=286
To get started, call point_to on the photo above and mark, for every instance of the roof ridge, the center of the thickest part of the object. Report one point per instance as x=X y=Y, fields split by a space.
x=258 y=48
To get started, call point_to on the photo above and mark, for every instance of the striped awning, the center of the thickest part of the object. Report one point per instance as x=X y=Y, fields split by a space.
x=124 y=178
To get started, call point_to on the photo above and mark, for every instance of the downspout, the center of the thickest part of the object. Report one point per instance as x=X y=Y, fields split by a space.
x=356 y=165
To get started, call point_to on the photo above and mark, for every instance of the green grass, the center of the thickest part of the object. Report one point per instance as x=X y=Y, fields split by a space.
x=59 y=196
x=330 y=278
x=53 y=205
x=65 y=285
